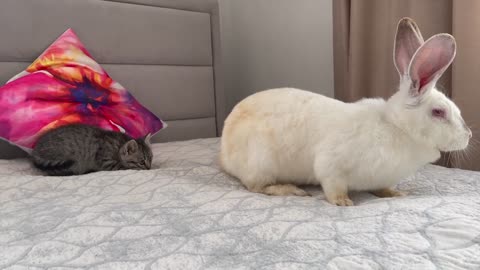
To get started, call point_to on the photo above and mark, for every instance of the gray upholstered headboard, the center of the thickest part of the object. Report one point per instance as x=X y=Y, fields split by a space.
x=165 y=52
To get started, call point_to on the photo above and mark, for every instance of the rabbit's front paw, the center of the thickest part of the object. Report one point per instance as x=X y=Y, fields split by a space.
x=341 y=200
x=284 y=190
x=336 y=192
x=388 y=192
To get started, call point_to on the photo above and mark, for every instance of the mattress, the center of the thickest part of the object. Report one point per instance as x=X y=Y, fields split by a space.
x=187 y=214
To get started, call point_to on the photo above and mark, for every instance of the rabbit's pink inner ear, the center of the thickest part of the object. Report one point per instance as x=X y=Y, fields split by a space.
x=407 y=40
x=431 y=61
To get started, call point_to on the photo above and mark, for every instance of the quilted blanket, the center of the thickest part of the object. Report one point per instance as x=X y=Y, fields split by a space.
x=186 y=214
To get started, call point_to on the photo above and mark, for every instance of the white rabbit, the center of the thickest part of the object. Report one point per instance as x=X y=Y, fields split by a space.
x=279 y=138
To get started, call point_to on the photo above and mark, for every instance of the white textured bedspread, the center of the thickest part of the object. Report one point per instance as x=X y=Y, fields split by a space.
x=186 y=214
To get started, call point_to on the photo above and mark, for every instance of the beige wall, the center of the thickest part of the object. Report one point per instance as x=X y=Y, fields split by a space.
x=276 y=43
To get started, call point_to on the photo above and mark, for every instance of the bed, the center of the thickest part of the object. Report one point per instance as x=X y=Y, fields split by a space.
x=186 y=213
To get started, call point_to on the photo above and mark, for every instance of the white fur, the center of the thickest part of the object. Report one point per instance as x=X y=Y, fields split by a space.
x=291 y=136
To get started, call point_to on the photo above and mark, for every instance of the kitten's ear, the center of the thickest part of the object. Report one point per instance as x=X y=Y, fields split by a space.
x=129 y=148
x=148 y=138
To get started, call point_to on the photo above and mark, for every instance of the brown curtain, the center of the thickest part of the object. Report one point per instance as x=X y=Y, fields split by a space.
x=364 y=31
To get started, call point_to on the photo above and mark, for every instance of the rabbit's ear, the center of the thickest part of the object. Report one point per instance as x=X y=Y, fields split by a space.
x=407 y=40
x=430 y=62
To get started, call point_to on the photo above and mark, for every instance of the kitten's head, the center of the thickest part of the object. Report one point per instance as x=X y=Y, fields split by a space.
x=137 y=154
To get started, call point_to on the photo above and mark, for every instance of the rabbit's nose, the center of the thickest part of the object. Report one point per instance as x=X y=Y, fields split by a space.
x=469 y=131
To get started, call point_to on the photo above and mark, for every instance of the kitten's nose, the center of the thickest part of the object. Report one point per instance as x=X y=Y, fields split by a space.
x=470 y=134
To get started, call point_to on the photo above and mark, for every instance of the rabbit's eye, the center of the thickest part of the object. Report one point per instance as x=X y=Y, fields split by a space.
x=439 y=113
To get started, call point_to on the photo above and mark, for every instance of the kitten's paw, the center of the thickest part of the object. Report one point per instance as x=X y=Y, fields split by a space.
x=388 y=192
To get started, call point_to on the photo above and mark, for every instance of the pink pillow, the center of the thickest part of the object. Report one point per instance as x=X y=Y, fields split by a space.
x=65 y=85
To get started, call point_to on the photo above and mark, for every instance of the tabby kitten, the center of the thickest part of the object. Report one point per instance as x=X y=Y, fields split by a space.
x=79 y=149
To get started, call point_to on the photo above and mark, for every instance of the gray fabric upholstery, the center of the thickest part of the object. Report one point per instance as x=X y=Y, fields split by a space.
x=112 y=32
x=174 y=101
x=167 y=53
x=180 y=129
x=207 y=6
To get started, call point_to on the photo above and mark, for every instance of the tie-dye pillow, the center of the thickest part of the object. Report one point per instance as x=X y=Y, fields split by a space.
x=65 y=85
